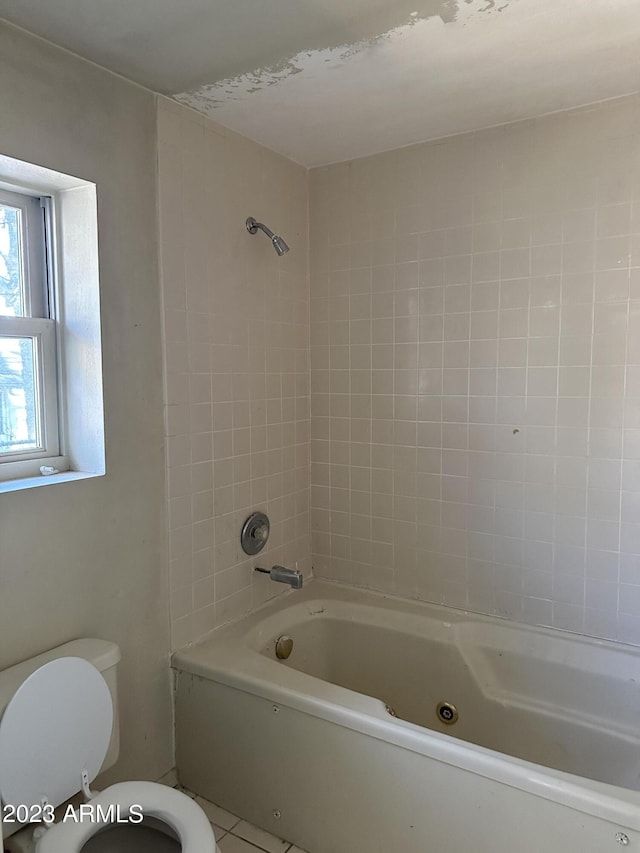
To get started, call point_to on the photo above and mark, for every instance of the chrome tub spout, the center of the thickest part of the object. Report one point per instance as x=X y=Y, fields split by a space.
x=278 y=573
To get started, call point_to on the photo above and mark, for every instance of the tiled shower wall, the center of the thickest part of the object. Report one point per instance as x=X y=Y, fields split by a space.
x=475 y=340
x=236 y=329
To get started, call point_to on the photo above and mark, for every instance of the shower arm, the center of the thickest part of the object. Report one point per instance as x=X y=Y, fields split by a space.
x=252 y=228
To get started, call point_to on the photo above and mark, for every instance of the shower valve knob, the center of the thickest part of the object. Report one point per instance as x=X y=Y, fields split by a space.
x=255 y=532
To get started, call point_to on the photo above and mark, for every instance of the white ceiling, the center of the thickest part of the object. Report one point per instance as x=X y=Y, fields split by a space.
x=328 y=80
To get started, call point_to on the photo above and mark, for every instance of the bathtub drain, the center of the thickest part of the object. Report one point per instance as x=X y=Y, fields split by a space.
x=447 y=713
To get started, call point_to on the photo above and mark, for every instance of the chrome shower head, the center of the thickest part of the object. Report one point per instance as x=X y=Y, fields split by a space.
x=278 y=243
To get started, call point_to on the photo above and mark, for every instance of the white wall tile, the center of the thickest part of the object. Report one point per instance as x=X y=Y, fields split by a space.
x=489 y=345
x=236 y=323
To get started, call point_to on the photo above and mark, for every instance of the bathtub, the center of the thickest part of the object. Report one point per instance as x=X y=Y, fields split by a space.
x=401 y=727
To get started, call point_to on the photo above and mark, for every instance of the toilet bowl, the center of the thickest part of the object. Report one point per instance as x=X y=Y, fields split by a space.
x=56 y=734
x=168 y=813
x=172 y=808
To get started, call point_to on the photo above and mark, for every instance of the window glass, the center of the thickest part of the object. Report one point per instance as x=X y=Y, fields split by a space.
x=12 y=302
x=19 y=406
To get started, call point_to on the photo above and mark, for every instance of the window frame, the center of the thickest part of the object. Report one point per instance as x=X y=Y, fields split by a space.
x=38 y=322
x=76 y=307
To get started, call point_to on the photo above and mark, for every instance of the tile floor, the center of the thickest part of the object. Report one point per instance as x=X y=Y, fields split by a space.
x=235 y=835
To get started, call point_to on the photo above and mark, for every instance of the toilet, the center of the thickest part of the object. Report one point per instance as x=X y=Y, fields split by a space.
x=58 y=730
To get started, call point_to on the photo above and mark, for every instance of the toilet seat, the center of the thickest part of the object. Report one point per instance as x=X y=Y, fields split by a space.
x=54 y=736
x=172 y=807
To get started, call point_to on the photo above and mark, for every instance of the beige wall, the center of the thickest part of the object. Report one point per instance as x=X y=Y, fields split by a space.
x=87 y=558
x=236 y=327
x=475 y=340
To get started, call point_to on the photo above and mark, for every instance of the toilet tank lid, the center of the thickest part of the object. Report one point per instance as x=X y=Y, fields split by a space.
x=101 y=653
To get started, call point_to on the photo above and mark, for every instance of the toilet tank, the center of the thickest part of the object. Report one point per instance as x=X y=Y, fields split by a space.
x=101 y=653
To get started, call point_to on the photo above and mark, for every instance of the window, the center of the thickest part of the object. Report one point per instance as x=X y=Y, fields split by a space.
x=28 y=386
x=51 y=404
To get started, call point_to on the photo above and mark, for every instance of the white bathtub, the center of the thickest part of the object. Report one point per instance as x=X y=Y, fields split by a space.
x=545 y=755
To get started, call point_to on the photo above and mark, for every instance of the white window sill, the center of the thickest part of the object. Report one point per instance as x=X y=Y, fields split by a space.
x=40 y=480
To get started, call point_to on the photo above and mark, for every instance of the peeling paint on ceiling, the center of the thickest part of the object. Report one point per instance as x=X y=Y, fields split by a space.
x=462 y=65
x=205 y=98
x=327 y=80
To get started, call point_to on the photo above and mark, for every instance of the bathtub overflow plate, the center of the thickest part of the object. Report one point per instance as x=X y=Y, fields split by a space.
x=447 y=713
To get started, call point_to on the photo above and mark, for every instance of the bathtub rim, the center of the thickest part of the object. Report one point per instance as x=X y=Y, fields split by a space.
x=222 y=657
